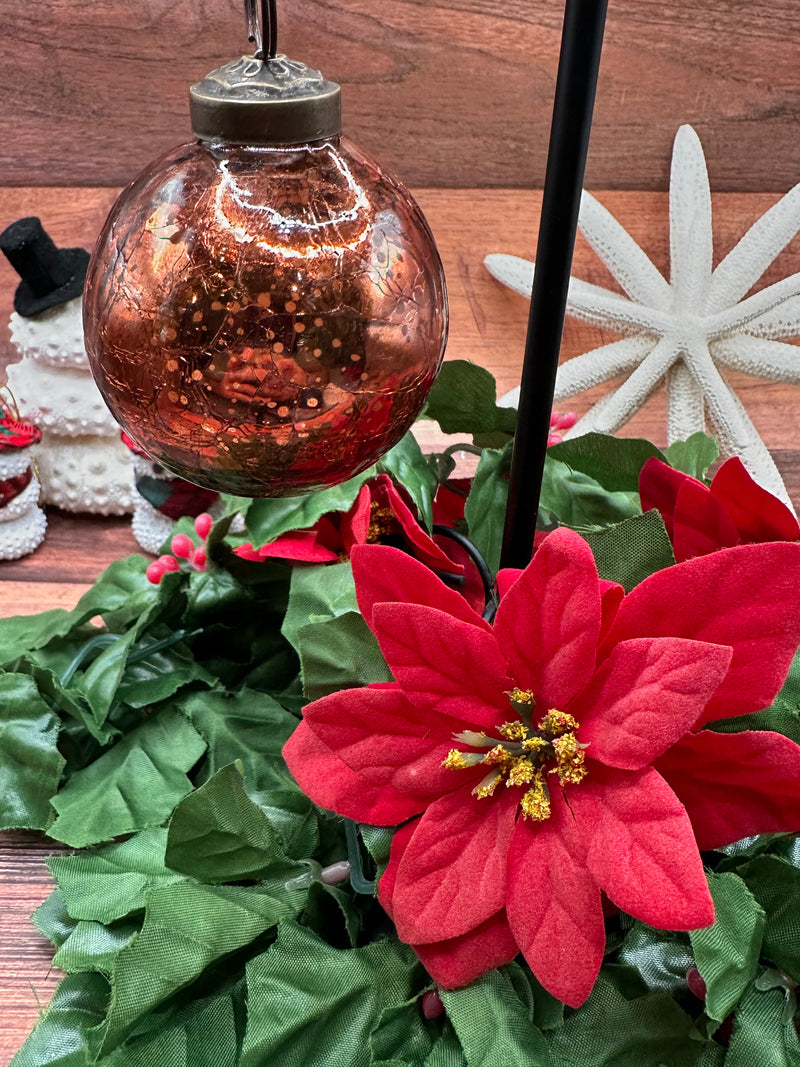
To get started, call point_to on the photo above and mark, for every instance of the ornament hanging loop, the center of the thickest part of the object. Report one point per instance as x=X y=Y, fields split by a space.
x=262 y=27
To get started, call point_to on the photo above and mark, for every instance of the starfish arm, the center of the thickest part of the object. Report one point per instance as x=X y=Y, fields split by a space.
x=685 y=408
x=740 y=315
x=782 y=321
x=616 y=408
x=601 y=364
x=690 y=235
x=585 y=301
x=737 y=434
x=746 y=262
x=760 y=357
x=634 y=271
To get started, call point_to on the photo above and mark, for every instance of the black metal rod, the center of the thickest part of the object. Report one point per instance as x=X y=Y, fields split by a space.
x=579 y=61
x=269 y=29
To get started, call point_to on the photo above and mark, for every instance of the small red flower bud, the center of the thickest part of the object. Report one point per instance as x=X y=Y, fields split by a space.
x=695 y=982
x=182 y=546
x=199 y=559
x=155 y=572
x=432 y=1006
x=168 y=563
x=203 y=524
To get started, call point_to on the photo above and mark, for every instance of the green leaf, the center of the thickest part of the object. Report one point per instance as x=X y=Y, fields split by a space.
x=309 y=1003
x=217 y=834
x=31 y=763
x=133 y=786
x=578 y=500
x=612 y=462
x=485 y=510
x=248 y=726
x=23 y=633
x=404 y=1038
x=186 y=928
x=760 y=1036
x=339 y=653
x=267 y=519
x=108 y=883
x=610 y=1031
x=122 y=593
x=318 y=593
x=493 y=1019
x=776 y=886
x=464 y=400
x=53 y=920
x=727 y=953
x=694 y=455
x=78 y=1003
x=660 y=957
x=99 y=683
x=631 y=550
x=407 y=464
x=94 y=947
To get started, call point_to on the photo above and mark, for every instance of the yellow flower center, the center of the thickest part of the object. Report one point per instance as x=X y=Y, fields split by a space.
x=524 y=755
x=382 y=523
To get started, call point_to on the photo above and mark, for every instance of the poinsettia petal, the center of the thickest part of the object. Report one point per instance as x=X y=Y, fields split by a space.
x=354 y=524
x=759 y=516
x=548 y=623
x=333 y=785
x=444 y=663
x=701 y=523
x=385 y=575
x=735 y=785
x=425 y=548
x=659 y=485
x=458 y=960
x=452 y=875
x=645 y=696
x=611 y=596
x=385 y=738
x=641 y=848
x=745 y=597
x=302 y=545
x=554 y=906
x=506 y=578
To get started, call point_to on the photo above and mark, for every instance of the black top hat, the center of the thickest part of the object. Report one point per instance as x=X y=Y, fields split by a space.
x=50 y=275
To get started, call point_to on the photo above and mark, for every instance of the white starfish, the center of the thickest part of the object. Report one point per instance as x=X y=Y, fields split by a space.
x=686 y=329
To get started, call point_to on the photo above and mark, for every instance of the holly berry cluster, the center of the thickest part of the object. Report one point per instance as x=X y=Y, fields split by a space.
x=183 y=548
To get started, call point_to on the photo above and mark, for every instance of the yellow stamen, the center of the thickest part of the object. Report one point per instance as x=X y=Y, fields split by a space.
x=521 y=772
x=456 y=760
x=535 y=803
x=486 y=787
x=555 y=723
x=498 y=757
x=473 y=738
x=570 y=759
x=514 y=731
x=534 y=744
x=521 y=696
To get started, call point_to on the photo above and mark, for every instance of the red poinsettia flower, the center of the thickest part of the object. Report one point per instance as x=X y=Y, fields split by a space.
x=379 y=512
x=554 y=756
x=735 y=510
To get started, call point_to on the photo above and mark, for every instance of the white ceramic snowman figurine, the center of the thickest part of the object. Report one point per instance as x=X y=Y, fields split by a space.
x=82 y=464
x=22 y=521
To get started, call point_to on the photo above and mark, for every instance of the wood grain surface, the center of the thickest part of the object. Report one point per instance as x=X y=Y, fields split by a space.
x=447 y=92
x=487 y=325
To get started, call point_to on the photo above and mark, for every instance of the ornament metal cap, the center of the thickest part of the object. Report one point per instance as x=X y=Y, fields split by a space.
x=257 y=101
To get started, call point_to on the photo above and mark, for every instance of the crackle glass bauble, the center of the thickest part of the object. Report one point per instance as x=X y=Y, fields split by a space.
x=265 y=320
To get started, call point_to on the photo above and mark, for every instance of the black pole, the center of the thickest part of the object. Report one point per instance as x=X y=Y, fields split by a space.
x=581 y=43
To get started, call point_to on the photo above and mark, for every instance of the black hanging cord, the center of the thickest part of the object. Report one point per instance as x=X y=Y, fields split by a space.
x=480 y=564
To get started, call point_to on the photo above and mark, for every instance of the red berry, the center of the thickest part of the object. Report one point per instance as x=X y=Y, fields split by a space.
x=203 y=524
x=182 y=546
x=168 y=563
x=696 y=984
x=432 y=1006
x=199 y=560
x=155 y=572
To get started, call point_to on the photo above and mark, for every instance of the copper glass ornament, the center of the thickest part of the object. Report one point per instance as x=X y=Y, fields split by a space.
x=265 y=318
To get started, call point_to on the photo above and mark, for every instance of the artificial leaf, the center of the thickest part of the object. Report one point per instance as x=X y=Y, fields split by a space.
x=611 y=1031
x=158 y=668
x=612 y=462
x=133 y=786
x=404 y=1038
x=217 y=834
x=660 y=957
x=775 y=884
x=632 y=550
x=727 y=953
x=186 y=928
x=270 y=517
x=309 y=1003
x=464 y=400
x=578 y=500
x=760 y=1034
x=495 y=1024
x=31 y=763
x=108 y=883
x=407 y=464
x=694 y=455
x=485 y=509
x=94 y=947
x=58 y=1040
x=339 y=653
x=23 y=633
x=319 y=593
x=99 y=683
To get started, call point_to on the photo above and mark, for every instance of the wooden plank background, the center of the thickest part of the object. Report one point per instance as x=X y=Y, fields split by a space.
x=450 y=93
